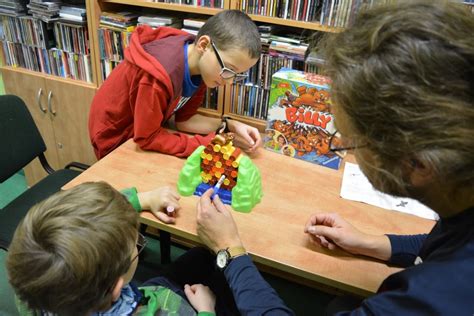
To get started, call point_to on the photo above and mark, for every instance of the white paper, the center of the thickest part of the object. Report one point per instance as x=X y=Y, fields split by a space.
x=356 y=187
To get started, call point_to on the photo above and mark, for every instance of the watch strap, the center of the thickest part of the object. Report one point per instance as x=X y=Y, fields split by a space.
x=236 y=251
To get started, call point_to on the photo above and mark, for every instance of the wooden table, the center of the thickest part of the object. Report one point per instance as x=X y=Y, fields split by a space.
x=273 y=231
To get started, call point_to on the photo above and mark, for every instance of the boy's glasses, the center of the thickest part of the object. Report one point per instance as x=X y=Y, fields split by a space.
x=141 y=244
x=336 y=143
x=227 y=73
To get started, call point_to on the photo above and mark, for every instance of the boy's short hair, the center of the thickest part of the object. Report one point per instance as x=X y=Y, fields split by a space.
x=233 y=29
x=70 y=249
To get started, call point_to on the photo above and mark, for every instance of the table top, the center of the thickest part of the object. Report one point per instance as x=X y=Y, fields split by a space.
x=273 y=231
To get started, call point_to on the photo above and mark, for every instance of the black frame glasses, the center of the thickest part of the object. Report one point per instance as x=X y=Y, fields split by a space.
x=141 y=244
x=232 y=74
x=334 y=148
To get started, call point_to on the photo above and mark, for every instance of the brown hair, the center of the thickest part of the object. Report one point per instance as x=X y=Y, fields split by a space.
x=233 y=29
x=70 y=249
x=403 y=74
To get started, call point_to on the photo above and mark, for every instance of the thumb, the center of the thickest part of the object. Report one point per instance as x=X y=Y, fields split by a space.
x=248 y=138
x=327 y=232
x=188 y=291
x=220 y=206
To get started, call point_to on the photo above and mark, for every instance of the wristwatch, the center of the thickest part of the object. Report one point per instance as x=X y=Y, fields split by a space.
x=225 y=256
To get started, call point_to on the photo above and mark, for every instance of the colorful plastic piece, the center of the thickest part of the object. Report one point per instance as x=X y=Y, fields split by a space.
x=242 y=185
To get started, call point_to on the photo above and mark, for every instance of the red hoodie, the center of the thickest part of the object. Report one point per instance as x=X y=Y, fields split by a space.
x=141 y=94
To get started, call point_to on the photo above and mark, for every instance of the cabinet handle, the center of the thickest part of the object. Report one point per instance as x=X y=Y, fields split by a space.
x=50 y=106
x=38 y=100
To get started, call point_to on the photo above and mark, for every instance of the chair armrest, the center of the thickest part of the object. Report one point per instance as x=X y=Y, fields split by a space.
x=77 y=165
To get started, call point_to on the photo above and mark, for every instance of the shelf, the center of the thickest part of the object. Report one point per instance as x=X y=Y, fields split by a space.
x=166 y=6
x=294 y=23
x=52 y=77
x=209 y=112
x=259 y=124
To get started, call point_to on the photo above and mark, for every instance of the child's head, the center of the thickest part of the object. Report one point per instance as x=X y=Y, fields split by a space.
x=232 y=37
x=72 y=252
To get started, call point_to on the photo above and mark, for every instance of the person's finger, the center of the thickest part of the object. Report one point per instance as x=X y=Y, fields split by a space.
x=254 y=133
x=164 y=218
x=175 y=194
x=320 y=230
x=248 y=139
x=221 y=208
x=188 y=291
x=208 y=194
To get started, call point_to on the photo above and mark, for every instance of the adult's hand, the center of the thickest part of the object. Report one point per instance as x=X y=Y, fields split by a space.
x=159 y=202
x=330 y=230
x=215 y=225
x=247 y=137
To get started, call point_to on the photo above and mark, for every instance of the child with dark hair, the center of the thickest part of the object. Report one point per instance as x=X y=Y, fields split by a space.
x=165 y=73
x=76 y=252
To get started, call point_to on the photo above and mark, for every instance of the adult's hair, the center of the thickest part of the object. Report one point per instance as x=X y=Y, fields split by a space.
x=233 y=29
x=70 y=250
x=403 y=75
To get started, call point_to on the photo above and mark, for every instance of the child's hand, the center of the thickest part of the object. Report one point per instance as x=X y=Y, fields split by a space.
x=158 y=201
x=200 y=297
x=248 y=136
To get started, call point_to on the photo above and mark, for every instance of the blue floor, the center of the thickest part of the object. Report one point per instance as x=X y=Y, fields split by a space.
x=303 y=300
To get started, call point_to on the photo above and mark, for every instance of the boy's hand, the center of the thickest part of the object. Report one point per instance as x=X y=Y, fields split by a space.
x=215 y=225
x=200 y=297
x=330 y=230
x=248 y=137
x=158 y=201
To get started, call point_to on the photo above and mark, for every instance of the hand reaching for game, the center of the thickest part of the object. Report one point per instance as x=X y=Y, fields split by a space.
x=200 y=297
x=330 y=230
x=247 y=137
x=160 y=200
x=215 y=225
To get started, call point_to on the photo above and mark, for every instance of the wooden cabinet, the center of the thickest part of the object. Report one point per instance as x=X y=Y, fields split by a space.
x=60 y=108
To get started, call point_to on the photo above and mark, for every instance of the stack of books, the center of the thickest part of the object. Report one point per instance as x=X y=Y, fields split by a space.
x=13 y=7
x=73 y=14
x=192 y=26
x=119 y=21
x=155 y=21
x=45 y=11
x=287 y=48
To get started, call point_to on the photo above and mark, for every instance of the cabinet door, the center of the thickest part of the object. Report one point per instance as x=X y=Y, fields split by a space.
x=70 y=104
x=31 y=89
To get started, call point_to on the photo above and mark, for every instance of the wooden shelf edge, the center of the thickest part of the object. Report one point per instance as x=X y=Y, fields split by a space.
x=166 y=6
x=47 y=76
x=259 y=124
x=295 y=23
x=209 y=112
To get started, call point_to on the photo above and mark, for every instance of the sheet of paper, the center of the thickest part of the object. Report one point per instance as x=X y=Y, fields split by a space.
x=356 y=187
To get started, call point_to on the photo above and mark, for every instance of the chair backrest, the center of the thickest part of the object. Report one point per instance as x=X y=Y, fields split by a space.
x=21 y=140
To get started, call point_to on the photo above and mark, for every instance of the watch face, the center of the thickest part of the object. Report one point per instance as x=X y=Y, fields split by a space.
x=222 y=258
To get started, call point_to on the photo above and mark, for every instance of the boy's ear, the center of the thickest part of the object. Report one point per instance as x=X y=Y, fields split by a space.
x=117 y=289
x=203 y=43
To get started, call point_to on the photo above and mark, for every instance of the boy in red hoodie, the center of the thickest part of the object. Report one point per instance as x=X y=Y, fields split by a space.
x=166 y=72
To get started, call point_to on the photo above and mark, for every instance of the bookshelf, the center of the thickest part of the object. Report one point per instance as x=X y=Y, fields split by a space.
x=65 y=130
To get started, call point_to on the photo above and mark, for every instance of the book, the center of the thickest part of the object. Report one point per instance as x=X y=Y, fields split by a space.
x=299 y=120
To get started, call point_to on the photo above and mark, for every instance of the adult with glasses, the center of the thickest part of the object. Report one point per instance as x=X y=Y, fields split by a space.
x=403 y=95
x=165 y=73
